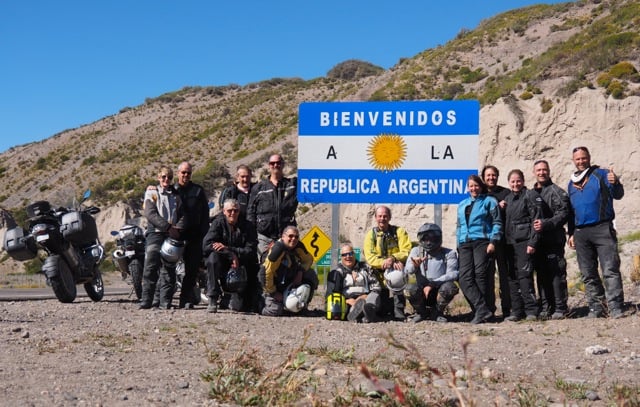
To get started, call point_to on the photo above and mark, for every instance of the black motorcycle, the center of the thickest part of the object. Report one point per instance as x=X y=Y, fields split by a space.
x=69 y=237
x=129 y=254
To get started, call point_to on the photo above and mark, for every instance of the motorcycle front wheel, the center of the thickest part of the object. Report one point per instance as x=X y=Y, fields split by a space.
x=63 y=283
x=136 y=269
x=95 y=288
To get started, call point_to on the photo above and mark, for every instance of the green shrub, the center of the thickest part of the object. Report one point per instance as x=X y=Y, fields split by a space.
x=616 y=89
x=546 y=105
x=604 y=79
x=622 y=70
x=526 y=95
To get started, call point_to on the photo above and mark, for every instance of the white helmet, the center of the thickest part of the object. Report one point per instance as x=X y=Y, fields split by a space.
x=395 y=280
x=171 y=250
x=295 y=299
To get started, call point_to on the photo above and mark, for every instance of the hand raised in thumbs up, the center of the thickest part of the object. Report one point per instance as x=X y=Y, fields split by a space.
x=611 y=176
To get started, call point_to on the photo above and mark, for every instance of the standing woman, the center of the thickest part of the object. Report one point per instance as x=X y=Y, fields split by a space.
x=521 y=241
x=479 y=229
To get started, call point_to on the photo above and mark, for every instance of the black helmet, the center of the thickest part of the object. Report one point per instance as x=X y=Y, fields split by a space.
x=430 y=236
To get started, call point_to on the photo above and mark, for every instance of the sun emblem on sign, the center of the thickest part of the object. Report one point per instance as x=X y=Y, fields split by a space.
x=387 y=152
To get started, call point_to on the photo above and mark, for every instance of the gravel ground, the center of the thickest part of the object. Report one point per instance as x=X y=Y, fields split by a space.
x=110 y=353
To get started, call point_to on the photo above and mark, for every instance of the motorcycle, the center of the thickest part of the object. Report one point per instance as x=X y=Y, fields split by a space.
x=129 y=254
x=69 y=237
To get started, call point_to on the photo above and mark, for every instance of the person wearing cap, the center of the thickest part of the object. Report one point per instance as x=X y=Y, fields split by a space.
x=593 y=235
x=359 y=284
x=435 y=269
x=164 y=213
x=386 y=248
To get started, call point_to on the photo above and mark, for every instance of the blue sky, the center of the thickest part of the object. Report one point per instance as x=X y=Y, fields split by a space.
x=67 y=63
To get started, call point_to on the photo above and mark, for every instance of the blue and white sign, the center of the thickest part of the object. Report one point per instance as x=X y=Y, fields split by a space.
x=393 y=152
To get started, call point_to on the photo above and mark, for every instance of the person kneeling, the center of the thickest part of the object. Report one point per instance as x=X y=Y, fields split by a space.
x=287 y=279
x=435 y=269
x=230 y=252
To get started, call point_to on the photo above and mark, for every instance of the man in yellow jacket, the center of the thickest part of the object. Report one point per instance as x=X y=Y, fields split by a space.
x=386 y=248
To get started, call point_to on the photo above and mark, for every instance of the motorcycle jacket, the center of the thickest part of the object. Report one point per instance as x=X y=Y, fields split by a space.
x=282 y=265
x=553 y=207
x=240 y=239
x=233 y=192
x=272 y=208
x=162 y=208
x=484 y=221
x=196 y=210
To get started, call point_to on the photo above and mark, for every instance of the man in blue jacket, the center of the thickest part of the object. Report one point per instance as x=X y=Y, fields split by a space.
x=592 y=233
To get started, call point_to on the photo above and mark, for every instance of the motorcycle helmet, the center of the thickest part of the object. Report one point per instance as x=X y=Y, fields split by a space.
x=430 y=237
x=336 y=307
x=236 y=280
x=171 y=250
x=395 y=280
x=296 y=298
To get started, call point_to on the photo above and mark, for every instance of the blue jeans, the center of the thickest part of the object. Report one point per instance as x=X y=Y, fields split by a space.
x=600 y=243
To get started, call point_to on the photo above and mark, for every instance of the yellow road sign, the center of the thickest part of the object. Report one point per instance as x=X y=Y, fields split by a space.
x=317 y=242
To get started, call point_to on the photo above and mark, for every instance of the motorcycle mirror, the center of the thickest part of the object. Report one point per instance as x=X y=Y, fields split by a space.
x=114 y=233
x=86 y=195
x=211 y=205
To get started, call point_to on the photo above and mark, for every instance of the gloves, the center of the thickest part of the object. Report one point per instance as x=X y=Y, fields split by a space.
x=174 y=232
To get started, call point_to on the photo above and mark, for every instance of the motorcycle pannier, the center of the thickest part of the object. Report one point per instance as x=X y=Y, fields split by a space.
x=38 y=208
x=79 y=228
x=18 y=246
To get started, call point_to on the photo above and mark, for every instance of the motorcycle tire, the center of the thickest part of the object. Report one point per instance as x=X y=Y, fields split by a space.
x=63 y=284
x=135 y=270
x=95 y=288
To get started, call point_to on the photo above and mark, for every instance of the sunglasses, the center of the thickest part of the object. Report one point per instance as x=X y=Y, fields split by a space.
x=347 y=254
x=581 y=148
x=169 y=177
x=232 y=210
x=274 y=163
x=185 y=172
x=293 y=236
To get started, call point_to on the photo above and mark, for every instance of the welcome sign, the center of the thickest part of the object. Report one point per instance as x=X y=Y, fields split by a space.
x=394 y=152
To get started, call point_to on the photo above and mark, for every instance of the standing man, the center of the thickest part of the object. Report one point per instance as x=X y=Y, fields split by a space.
x=490 y=176
x=196 y=213
x=239 y=191
x=272 y=204
x=386 y=248
x=552 y=213
x=592 y=233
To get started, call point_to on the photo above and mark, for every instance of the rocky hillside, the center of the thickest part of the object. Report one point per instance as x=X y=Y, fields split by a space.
x=549 y=78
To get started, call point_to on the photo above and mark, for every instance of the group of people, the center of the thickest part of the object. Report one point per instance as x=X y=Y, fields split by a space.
x=256 y=262
x=522 y=231
x=255 y=227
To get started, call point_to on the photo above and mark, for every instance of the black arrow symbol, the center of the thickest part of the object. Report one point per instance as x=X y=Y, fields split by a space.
x=316 y=249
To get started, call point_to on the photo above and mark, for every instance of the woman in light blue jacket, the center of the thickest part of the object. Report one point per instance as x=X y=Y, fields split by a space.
x=479 y=229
